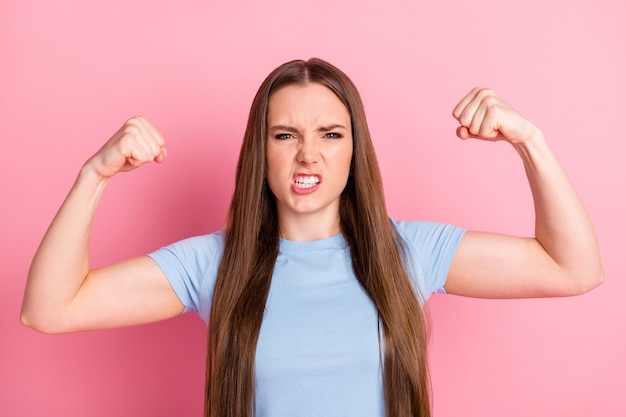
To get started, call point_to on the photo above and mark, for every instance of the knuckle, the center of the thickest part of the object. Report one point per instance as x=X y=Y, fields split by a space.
x=485 y=92
x=486 y=95
x=135 y=121
x=493 y=110
x=465 y=119
x=131 y=131
x=491 y=101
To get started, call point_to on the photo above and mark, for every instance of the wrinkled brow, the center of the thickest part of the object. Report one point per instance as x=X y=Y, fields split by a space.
x=292 y=129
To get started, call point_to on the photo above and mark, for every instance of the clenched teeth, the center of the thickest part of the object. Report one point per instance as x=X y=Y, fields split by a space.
x=307 y=181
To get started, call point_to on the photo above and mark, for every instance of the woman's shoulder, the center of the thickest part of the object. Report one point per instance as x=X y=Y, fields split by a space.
x=422 y=227
x=199 y=246
x=428 y=236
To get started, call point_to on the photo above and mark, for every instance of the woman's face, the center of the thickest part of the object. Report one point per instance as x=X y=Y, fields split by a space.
x=309 y=151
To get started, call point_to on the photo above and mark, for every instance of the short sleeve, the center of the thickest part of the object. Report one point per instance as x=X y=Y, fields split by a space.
x=190 y=266
x=431 y=248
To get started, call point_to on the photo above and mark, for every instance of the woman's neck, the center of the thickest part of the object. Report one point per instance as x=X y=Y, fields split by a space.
x=306 y=228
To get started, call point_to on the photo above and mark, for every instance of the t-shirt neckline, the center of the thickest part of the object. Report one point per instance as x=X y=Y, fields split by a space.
x=333 y=242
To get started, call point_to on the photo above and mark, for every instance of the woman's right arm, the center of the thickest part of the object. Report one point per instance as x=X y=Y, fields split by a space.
x=62 y=293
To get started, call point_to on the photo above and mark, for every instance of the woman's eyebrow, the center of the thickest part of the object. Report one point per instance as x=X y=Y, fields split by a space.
x=330 y=127
x=285 y=128
x=292 y=129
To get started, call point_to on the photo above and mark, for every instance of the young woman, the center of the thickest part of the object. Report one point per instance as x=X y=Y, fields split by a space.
x=312 y=294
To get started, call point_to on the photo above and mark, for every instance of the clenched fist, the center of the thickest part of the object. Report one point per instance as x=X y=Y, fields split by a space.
x=483 y=115
x=134 y=144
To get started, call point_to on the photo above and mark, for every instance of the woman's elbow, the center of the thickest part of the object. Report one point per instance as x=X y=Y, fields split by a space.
x=28 y=320
x=40 y=322
x=596 y=280
x=582 y=283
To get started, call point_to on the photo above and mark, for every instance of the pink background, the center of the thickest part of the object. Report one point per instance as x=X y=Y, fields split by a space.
x=71 y=72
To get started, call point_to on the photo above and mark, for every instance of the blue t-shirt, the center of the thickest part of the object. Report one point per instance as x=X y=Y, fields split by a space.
x=318 y=349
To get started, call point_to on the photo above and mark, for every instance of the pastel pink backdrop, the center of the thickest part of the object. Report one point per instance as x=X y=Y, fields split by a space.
x=71 y=72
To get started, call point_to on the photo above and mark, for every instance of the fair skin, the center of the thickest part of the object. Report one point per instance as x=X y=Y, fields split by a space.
x=563 y=258
x=309 y=148
x=308 y=154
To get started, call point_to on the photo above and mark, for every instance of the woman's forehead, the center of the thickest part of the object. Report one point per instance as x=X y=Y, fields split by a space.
x=306 y=103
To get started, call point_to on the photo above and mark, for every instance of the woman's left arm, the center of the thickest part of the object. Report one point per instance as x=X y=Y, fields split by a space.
x=563 y=258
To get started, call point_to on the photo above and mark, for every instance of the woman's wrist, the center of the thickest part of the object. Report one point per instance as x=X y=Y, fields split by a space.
x=88 y=175
x=533 y=143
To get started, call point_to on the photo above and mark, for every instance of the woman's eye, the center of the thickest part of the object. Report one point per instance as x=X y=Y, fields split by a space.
x=283 y=136
x=333 y=135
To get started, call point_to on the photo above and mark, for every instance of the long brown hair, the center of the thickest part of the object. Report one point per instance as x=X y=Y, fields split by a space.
x=251 y=248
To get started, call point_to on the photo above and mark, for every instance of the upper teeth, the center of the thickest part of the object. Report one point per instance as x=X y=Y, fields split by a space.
x=307 y=181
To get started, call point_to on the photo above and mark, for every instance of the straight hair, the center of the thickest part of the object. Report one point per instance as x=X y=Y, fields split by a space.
x=251 y=248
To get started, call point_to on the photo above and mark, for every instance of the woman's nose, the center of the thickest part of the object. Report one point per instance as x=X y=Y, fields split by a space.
x=308 y=152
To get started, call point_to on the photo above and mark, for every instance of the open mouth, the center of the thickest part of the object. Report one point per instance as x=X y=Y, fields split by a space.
x=306 y=181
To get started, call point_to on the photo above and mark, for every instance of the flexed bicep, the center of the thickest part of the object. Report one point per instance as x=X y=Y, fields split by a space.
x=134 y=291
x=62 y=292
x=563 y=257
